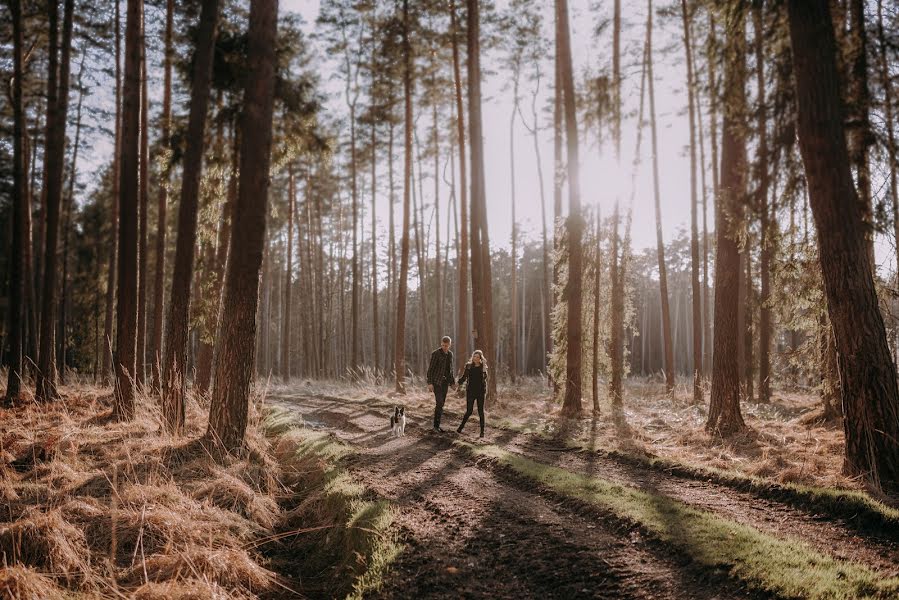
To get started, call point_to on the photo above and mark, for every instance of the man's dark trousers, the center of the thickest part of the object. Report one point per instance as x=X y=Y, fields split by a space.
x=440 y=396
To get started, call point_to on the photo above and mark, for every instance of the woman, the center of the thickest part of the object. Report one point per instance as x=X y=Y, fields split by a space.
x=476 y=376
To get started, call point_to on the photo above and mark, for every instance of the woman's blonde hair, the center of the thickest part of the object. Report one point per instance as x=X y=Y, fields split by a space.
x=477 y=353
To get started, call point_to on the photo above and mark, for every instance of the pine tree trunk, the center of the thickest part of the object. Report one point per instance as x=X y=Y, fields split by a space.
x=288 y=278
x=162 y=204
x=573 y=290
x=54 y=155
x=724 y=410
x=399 y=357
x=175 y=355
x=144 y=202
x=17 y=256
x=111 y=278
x=867 y=372
x=597 y=266
x=354 y=344
x=660 y=243
x=887 y=84
x=513 y=354
x=765 y=214
x=376 y=330
x=233 y=361
x=126 y=309
x=462 y=332
x=860 y=136
x=694 y=224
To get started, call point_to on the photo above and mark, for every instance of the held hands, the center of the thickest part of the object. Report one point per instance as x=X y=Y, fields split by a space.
x=454 y=386
x=430 y=388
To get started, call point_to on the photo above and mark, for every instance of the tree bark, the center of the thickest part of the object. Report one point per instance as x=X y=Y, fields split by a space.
x=113 y=236
x=462 y=332
x=162 y=203
x=597 y=266
x=144 y=202
x=573 y=290
x=126 y=317
x=399 y=357
x=17 y=256
x=694 y=224
x=887 y=84
x=867 y=372
x=175 y=361
x=724 y=410
x=860 y=136
x=660 y=243
x=233 y=362
x=288 y=279
x=54 y=155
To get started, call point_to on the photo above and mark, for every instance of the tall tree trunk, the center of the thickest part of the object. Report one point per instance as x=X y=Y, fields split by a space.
x=54 y=155
x=111 y=278
x=660 y=242
x=616 y=314
x=354 y=344
x=867 y=372
x=233 y=361
x=17 y=271
x=162 y=203
x=376 y=330
x=462 y=332
x=175 y=361
x=288 y=279
x=694 y=224
x=575 y=225
x=69 y=203
x=764 y=213
x=144 y=202
x=887 y=84
x=399 y=357
x=724 y=410
x=126 y=309
x=558 y=181
x=513 y=352
x=597 y=266
x=391 y=243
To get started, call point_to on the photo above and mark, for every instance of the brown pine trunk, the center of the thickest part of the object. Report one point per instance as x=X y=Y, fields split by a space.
x=860 y=136
x=126 y=309
x=54 y=155
x=17 y=256
x=694 y=224
x=867 y=372
x=616 y=319
x=660 y=243
x=233 y=361
x=376 y=330
x=513 y=352
x=887 y=84
x=162 y=204
x=399 y=357
x=175 y=361
x=113 y=237
x=462 y=332
x=288 y=279
x=573 y=289
x=724 y=410
x=144 y=202
x=597 y=265
x=764 y=214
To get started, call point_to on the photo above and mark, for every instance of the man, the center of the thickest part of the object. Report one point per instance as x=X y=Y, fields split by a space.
x=440 y=377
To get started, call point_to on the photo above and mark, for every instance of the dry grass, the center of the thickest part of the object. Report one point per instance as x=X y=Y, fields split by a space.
x=95 y=508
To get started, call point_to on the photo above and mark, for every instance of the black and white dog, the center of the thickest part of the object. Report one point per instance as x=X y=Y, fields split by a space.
x=398 y=421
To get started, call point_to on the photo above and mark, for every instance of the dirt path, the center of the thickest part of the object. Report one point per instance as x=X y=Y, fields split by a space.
x=475 y=531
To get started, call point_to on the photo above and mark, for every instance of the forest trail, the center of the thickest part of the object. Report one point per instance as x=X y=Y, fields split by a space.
x=474 y=529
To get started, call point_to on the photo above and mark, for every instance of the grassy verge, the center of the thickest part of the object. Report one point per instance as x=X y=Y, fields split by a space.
x=347 y=540
x=855 y=506
x=786 y=567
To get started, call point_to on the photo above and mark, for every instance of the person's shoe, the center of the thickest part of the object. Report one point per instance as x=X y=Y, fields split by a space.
x=482 y=434
x=438 y=430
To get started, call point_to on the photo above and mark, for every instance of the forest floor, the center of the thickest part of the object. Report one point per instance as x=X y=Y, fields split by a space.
x=582 y=510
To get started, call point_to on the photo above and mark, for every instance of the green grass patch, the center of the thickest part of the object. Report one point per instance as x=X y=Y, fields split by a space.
x=786 y=567
x=349 y=538
x=853 y=505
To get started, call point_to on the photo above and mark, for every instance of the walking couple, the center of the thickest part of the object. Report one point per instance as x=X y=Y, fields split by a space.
x=440 y=379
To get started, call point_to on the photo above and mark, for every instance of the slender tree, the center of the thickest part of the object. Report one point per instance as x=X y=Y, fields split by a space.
x=54 y=154
x=126 y=309
x=660 y=242
x=867 y=372
x=111 y=278
x=144 y=200
x=234 y=359
x=175 y=361
x=462 y=334
x=764 y=212
x=575 y=224
x=162 y=202
x=17 y=270
x=288 y=278
x=724 y=410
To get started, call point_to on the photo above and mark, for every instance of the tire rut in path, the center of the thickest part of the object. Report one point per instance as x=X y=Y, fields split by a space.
x=471 y=534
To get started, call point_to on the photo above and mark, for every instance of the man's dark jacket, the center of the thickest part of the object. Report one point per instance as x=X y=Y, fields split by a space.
x=440 y=369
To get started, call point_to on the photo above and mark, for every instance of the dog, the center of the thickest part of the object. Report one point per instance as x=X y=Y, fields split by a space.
x=398 y=421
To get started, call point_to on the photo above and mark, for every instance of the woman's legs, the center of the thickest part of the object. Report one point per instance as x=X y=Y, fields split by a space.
x=469 y=407
x=480 y=412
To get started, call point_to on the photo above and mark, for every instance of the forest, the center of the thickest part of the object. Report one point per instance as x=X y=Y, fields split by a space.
x=261 y=263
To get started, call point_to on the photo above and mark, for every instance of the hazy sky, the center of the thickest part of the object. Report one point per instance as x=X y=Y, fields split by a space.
x=601 y=177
